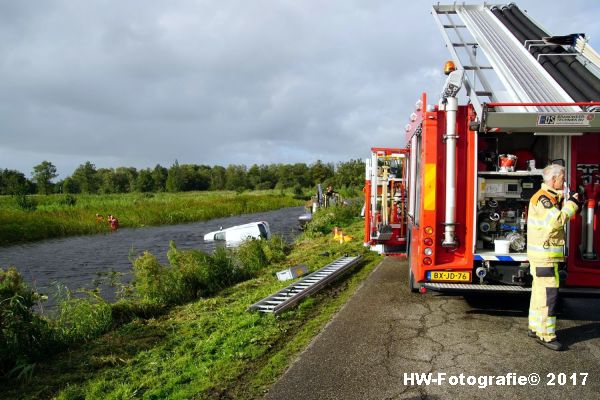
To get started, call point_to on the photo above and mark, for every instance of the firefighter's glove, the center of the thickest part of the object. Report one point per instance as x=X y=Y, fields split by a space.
x=574 y=197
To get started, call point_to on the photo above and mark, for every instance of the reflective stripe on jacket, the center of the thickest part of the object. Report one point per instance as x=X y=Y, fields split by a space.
x=545 y=225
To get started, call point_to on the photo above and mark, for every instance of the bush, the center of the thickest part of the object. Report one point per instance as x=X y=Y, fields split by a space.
x=26 y=203
x=21 y=331
x=81 y=319
x=275 y=248
x=222 y=271
x=252 y=256
x=189 y=268
x=191 y=274
x=152 y=281
x=68 y=200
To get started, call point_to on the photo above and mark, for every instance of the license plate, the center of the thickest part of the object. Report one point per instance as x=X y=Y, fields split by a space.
x=449 y=276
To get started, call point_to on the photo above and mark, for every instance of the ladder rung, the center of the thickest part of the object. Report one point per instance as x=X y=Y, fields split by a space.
x=477 y=67
x=465 y=44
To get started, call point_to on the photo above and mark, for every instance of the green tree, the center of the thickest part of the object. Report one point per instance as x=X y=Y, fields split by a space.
x=86 y=178
x=43 y=174
x=144 y=182
x=253 y=176
x=174 y=178
x=350 y=174
x=203 y=178
x=236 y=178
x=218 y=178
x=285 y=176
x=320 y=172
x=106 y=177
x=195 y=177
x=13 y=182
x=159 y=176
x=128 y=175
x=124 y=179
x=301 y=175
x=68 y=185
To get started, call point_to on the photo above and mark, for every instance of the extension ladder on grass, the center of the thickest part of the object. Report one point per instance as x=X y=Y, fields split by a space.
x=310 y=284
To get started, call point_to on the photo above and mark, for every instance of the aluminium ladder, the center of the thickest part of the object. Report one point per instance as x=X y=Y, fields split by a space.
x=465 y=29
x=523 y=95
x=291 y=295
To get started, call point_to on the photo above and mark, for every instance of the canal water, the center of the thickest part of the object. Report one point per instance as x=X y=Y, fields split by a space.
x=77 y=262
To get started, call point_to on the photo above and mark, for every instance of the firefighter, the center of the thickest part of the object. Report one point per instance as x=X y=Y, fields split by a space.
x=330 y=196
x=545 y=251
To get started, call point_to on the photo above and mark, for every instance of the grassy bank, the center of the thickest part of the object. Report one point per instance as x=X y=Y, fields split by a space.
x=209 y=348
x=60 y=215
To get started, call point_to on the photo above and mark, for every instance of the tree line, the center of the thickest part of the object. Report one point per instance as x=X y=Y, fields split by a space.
x=179 y=178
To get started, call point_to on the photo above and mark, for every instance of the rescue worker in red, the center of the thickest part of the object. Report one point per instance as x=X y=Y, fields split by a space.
x=545 y=251
x=113 y=222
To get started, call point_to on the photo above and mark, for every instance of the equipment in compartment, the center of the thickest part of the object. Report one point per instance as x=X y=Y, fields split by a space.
x=502 y=188
x=502 y=210
x=508 y=162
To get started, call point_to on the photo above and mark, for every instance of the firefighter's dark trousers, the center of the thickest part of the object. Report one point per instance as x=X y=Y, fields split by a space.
x=544 y=297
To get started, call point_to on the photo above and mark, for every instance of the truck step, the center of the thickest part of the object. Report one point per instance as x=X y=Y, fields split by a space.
x=469 y=287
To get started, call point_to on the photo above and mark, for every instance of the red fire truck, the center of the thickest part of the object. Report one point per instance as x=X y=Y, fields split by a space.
x=385 y=200
x=531 y=99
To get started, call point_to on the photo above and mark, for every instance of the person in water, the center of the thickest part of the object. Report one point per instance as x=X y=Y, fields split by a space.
x=113 y=222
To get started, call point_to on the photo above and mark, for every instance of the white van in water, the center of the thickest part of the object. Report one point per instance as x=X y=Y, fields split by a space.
x=239 y=233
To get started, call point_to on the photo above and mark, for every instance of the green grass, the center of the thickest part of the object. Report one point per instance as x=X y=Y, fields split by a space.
x=210 y=348
x=54 y=218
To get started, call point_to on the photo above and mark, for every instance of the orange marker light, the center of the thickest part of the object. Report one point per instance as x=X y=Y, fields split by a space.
x=449 y=67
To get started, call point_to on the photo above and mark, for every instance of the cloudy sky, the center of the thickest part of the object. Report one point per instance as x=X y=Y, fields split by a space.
x=217 y=82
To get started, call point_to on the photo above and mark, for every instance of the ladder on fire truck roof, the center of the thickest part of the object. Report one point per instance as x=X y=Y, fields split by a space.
x=522 y=79
x=291 y=295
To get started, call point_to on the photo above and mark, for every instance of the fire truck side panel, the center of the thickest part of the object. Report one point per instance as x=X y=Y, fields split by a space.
x=431 y=200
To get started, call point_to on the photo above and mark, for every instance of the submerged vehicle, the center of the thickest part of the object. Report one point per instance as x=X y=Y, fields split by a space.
x=239 y=233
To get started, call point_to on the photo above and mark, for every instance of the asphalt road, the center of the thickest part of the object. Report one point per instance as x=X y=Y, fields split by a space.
x=385 y=333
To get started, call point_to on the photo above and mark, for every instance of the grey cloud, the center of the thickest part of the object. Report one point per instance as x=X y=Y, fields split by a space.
x=215 y=82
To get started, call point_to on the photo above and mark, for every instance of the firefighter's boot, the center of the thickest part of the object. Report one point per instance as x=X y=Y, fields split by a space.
x=552 y=345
